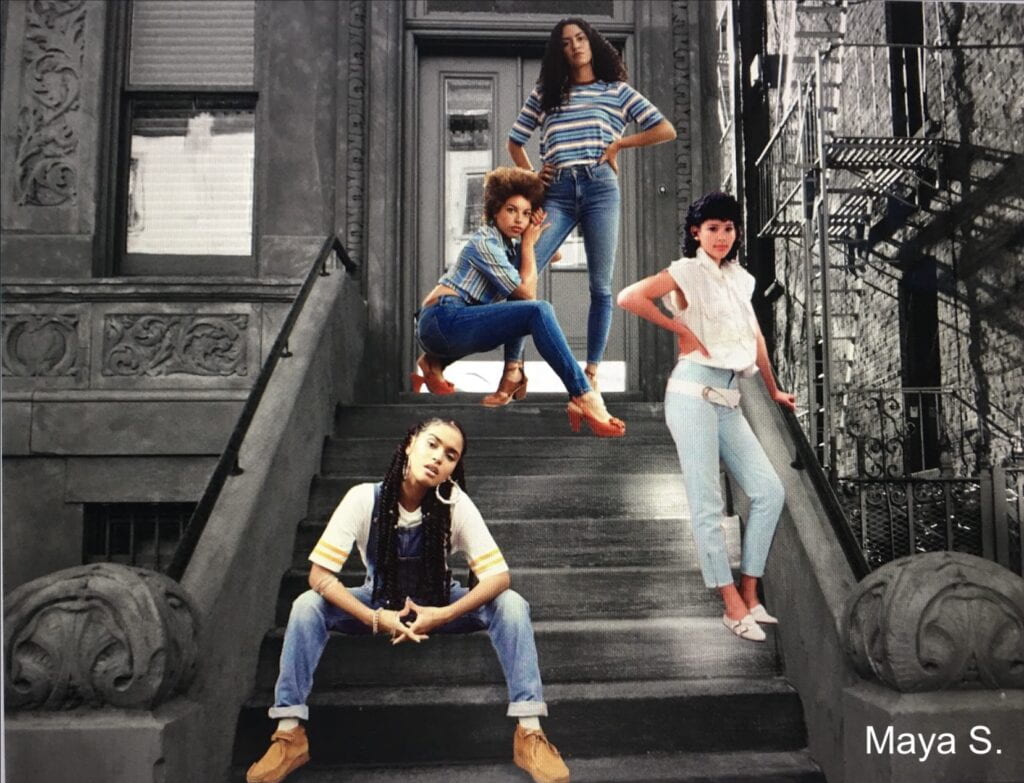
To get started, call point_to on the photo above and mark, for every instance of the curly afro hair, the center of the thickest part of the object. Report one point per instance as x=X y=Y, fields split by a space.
x=555 y=77
x=507 y=181
x=712 y=206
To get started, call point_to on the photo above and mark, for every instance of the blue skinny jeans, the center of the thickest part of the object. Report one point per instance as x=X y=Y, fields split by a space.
x=588 y=197
x=704 y=431
x=451 y=329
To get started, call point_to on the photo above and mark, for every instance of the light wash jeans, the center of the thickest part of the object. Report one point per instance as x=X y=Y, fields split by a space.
x=506 y=620
x=587 y=196
x=451 y=329
x=703 y=432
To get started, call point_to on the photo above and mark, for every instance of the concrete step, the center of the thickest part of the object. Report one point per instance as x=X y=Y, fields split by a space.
x=747 y=767
x=523 y=419
x=518 y=455
x=466 y=724
x=554 y=543
x=650 y=496
x=576 y=593
x=569 y=650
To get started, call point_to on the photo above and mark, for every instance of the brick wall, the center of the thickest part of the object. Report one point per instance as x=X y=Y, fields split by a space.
x=972 y=223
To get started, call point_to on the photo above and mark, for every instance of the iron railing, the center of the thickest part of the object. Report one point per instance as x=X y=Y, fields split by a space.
x=227 y=464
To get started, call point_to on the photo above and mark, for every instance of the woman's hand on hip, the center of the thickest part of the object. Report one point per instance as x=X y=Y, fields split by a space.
x=688 y=343
x=546 y=174
x=611 y=152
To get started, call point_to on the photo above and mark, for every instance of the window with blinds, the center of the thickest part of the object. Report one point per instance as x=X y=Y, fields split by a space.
x=190 y=104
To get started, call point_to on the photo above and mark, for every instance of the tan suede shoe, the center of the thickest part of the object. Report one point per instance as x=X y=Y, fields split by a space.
x=288 y=751
x=533 y=752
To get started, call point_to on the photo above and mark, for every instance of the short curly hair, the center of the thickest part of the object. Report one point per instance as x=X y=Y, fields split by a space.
x=507 y=181
x=712 y=206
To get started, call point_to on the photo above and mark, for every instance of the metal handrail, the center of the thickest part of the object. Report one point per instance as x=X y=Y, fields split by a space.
x=807 y=460
x=227 y=465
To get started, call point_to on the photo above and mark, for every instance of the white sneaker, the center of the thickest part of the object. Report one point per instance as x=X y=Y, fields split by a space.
x=760 y=614
x=747 y=628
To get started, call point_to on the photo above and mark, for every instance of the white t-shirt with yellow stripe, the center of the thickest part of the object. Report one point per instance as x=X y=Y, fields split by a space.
x=351 y=522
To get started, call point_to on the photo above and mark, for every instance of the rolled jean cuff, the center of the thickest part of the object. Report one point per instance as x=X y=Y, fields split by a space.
x=300 y=711
x=527 y=709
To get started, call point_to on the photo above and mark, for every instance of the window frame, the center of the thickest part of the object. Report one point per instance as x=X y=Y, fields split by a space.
x=112 y=247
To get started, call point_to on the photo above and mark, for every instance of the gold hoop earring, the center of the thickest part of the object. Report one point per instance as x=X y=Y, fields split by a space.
x=452 y=496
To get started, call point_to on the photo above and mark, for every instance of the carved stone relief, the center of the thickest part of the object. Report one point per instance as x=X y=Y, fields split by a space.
x=47 y=134
x=356 y=129
x=682 y=108
x=162 y=344
x=98 y=635
x=42 y=345
x=937 y=621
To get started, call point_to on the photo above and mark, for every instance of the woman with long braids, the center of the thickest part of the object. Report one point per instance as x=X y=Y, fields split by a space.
x=708 y=293
x=405 y=528
x=582 y=105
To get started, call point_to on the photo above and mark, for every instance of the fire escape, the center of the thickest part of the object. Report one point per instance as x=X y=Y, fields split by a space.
x=854 y=185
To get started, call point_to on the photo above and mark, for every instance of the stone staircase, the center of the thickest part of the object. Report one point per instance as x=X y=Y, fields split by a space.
x=642 y=681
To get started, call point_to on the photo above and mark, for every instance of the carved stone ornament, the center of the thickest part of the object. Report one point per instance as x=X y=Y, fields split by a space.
x=46 y=158
x=98 y=635
x=937 y=621
x=174 y=344
x=40 y=345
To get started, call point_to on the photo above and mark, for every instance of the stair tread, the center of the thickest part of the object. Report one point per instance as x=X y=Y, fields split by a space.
x=627 y=690
x=682 y=767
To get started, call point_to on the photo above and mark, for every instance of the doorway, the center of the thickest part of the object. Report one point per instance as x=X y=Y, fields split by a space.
x=466 y=104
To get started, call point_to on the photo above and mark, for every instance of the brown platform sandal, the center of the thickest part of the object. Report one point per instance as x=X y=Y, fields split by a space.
x=508 y=389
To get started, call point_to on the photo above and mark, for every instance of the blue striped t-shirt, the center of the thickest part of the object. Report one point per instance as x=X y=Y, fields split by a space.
x=487 y=269
x=592 y=117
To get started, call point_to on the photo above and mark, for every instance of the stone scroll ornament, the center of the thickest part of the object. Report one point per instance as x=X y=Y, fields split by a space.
x=938 y=621
x=98 y=635
x=47 y=140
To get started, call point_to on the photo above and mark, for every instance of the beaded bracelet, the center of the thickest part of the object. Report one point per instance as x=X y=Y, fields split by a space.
x=376 y=619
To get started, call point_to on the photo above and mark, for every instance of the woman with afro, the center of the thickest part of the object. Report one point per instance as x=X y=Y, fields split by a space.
x=406 y=527
x=488 y=297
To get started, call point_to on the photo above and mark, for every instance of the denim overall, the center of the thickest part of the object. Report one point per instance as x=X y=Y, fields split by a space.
x=506 y=620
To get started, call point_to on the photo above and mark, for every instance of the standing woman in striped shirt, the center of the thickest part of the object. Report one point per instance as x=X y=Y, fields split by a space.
x=582 y=105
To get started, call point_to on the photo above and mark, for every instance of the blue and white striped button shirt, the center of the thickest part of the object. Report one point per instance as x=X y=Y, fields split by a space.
x=487 y=269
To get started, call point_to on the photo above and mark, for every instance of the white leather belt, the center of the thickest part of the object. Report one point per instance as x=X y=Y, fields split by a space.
x=727 y=397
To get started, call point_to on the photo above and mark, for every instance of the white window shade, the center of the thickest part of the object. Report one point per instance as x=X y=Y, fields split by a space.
x=192 y=43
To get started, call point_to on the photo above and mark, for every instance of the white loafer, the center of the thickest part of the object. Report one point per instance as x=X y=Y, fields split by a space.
x=760 y=614
x=747 y=628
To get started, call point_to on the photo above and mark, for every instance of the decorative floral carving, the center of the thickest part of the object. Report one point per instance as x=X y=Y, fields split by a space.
x=681 y=86
x=45 y=165
x=98 y=635
x=356 y=128
x=40 y=345
x=169 y=344
x=937 y=621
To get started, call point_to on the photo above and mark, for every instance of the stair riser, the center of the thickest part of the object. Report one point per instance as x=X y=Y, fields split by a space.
x=548 y=497
x=518 y=456
x=590 y=594
x=708 y=650
x=576 y=543
x=514 y=420
x=474 y=732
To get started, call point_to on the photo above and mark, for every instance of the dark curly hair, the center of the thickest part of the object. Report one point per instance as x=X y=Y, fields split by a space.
x=556 y=78
x=437 y=529
x=507 y=181
x=712 y=206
